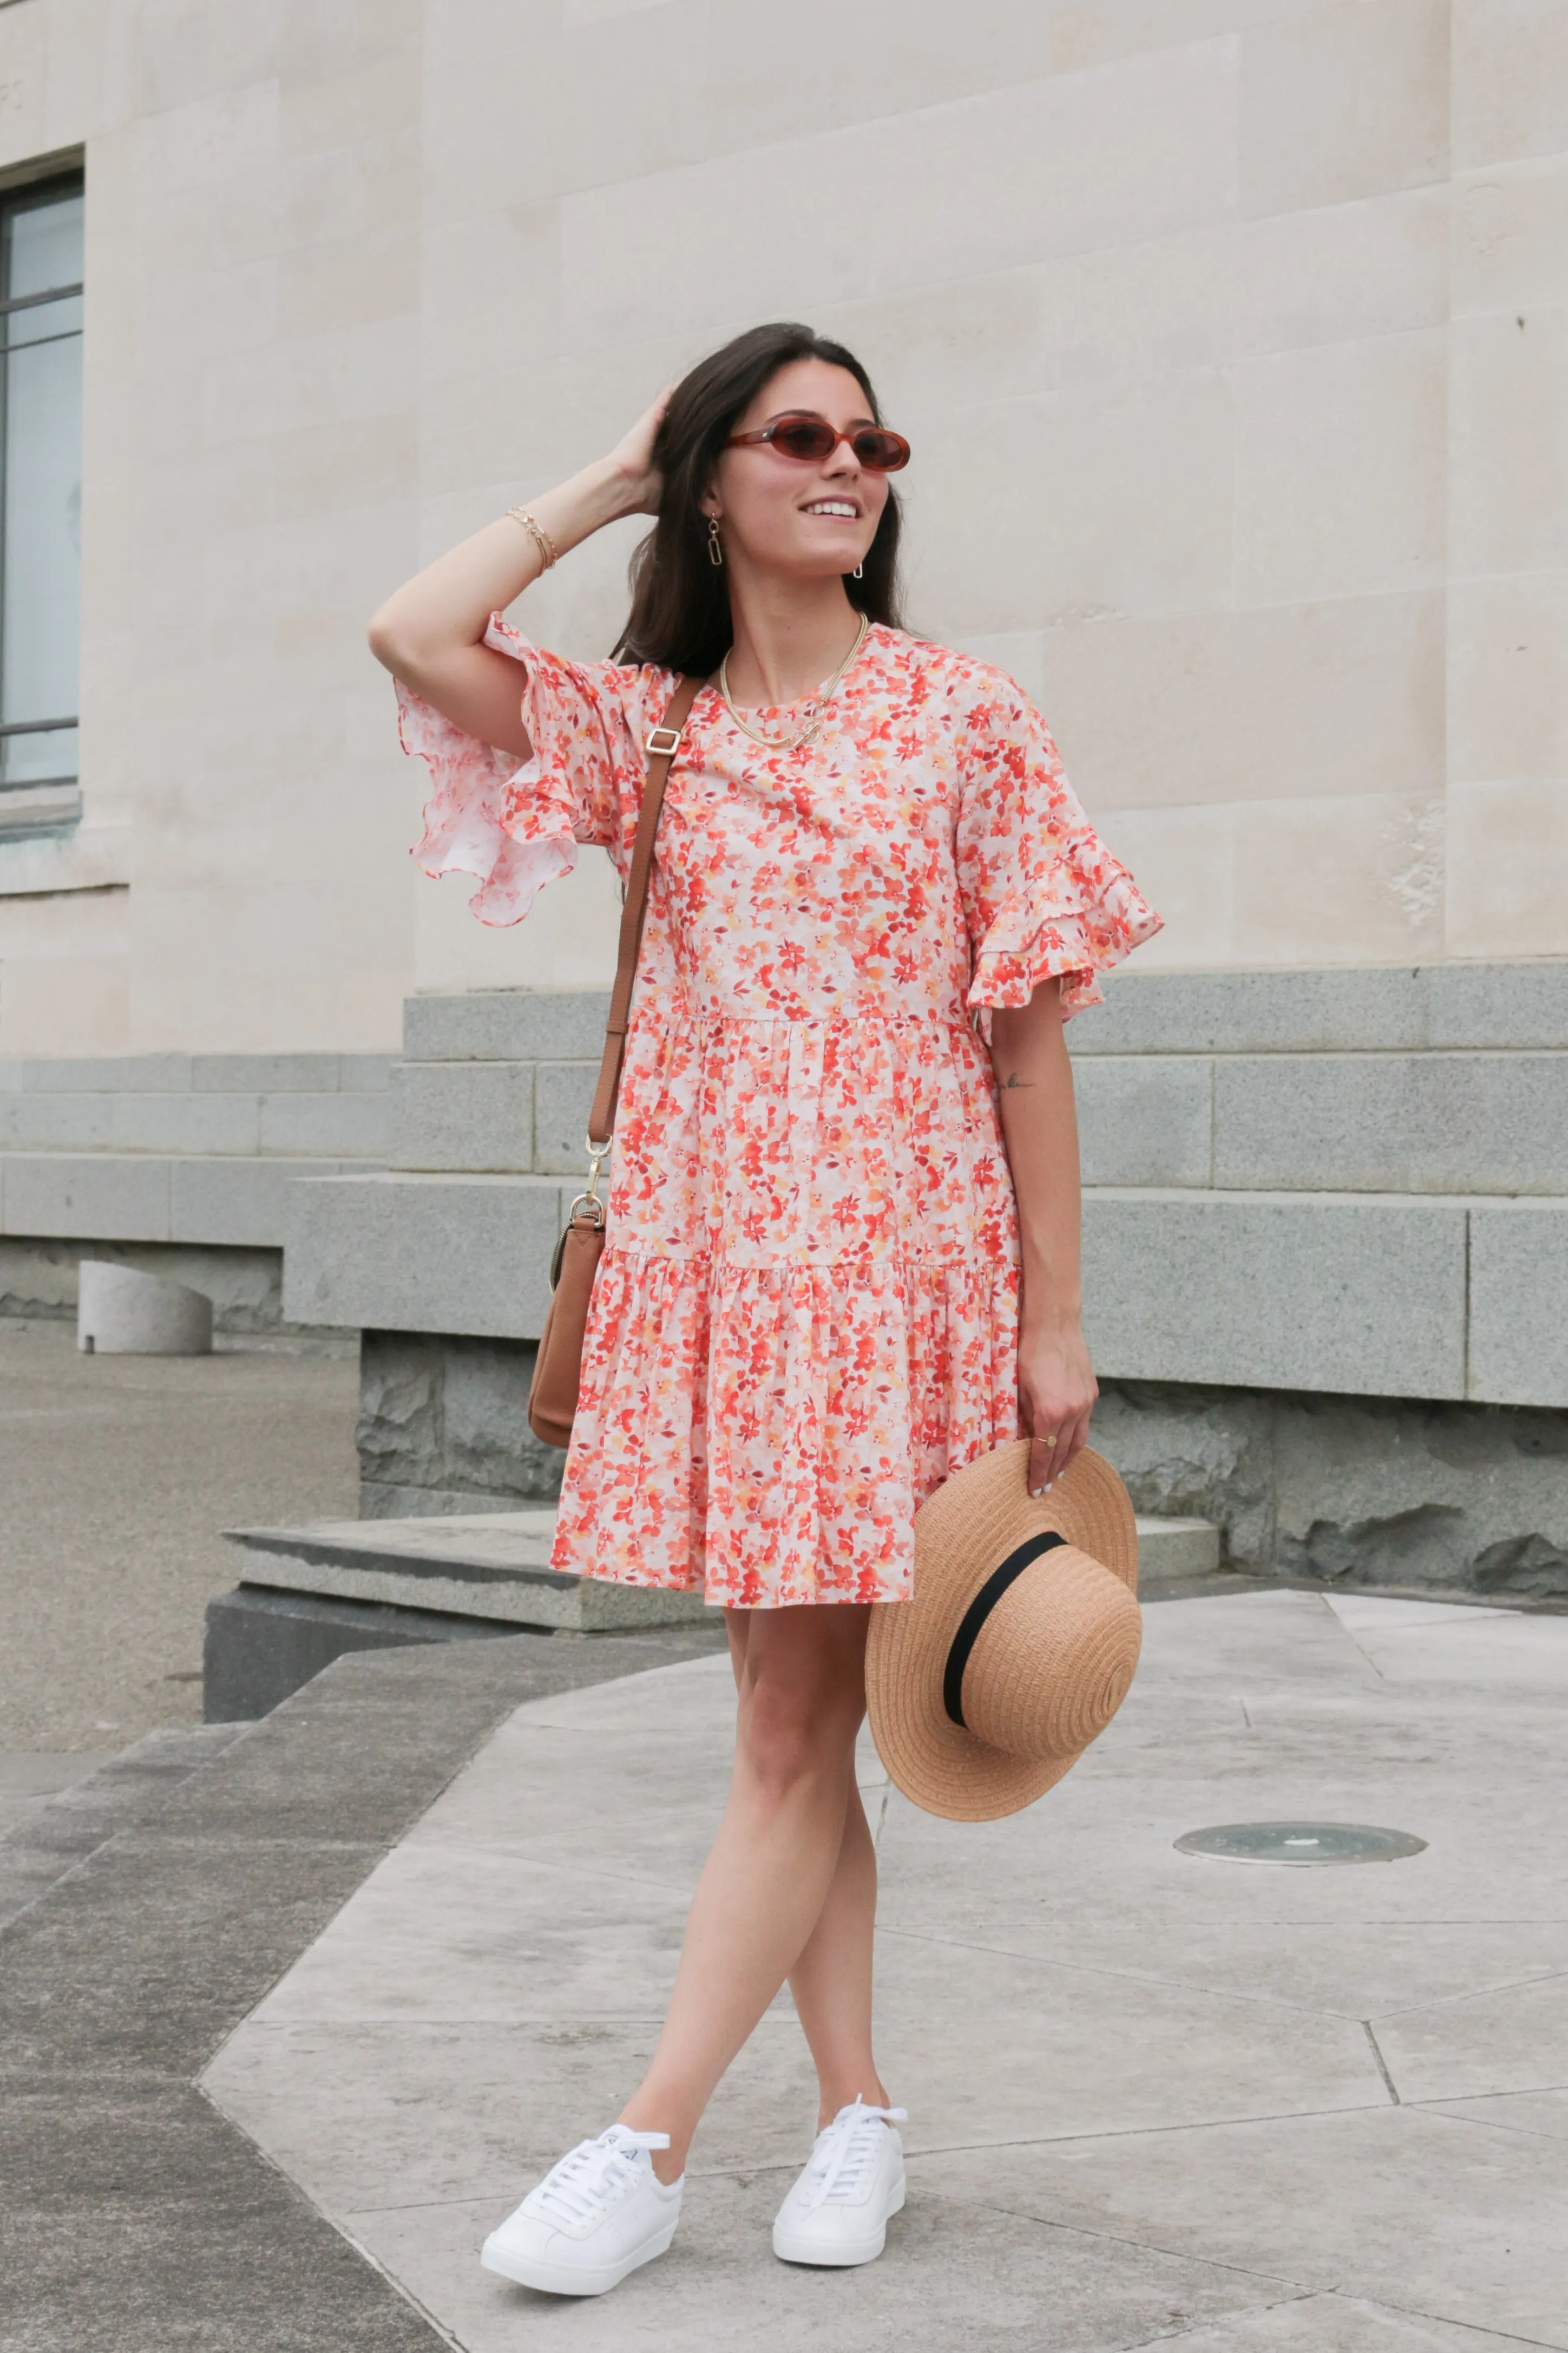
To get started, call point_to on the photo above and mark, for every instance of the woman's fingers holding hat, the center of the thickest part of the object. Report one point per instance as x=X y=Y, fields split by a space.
x=1056 y=1389
x=1049 y=1452
x=1070 y=1443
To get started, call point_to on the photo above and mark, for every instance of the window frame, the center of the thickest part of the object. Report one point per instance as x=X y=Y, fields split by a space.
x=35 y=805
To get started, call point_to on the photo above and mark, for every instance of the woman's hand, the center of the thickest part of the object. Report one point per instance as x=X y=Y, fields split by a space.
x=1057 y=1390
x=632 y=459
x=430 y=632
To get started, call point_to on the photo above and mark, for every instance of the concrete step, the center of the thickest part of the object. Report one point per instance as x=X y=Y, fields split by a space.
x=1168 y=1548
x=490 y=1565
x=496 y=1566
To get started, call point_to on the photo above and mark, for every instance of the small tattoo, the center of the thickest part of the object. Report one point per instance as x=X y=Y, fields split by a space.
x=1012 y=1080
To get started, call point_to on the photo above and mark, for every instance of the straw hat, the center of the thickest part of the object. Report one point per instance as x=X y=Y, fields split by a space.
x=1021 y=1640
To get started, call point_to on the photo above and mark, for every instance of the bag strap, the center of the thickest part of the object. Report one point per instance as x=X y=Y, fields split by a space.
x=663 y=742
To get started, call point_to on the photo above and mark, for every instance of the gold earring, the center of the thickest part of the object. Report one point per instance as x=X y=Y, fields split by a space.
x=715 y=544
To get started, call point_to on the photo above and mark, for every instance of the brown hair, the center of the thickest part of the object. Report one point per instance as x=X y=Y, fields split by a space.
x=681 y=616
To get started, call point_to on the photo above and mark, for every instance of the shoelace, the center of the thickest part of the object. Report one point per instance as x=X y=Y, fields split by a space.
x=589 y=2176
x=846 y=2153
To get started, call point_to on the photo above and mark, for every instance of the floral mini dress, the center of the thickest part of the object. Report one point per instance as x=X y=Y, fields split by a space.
x=806 y=1314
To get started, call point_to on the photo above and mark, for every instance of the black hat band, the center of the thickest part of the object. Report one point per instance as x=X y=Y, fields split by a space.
x=979 y=1609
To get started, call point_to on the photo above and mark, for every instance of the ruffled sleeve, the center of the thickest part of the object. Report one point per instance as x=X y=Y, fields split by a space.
x=515 y=825
x=1042 y=895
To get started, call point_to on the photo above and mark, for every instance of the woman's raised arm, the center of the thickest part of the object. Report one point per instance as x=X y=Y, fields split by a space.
x=430 y=632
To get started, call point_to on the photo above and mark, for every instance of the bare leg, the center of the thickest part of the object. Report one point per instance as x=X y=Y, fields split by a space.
x=831 y=1981
x=800 y=1676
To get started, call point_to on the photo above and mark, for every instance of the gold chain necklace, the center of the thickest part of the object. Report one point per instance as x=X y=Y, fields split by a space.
x=820 y=701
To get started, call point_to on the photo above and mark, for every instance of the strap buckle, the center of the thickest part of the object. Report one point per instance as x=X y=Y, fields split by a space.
x=598 y=1154
x=656 y=750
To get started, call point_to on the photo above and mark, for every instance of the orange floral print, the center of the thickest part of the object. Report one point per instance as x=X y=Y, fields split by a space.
x=806 y=1310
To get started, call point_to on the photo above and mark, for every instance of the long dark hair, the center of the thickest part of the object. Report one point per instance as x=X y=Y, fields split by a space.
x=681 y=616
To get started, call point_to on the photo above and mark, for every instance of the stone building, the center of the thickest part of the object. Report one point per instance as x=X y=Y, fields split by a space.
x=1232 y=338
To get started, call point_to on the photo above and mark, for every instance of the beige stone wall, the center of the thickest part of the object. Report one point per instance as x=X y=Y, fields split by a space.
x=1233 y=336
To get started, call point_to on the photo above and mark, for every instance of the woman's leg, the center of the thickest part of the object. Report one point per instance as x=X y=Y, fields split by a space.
x=787 y=1833
x=831 y=1981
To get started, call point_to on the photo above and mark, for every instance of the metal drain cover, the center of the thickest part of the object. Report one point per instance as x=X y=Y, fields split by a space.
x=1300 y=1842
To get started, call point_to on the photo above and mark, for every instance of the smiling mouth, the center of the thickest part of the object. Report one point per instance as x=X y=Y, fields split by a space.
x=835 y=510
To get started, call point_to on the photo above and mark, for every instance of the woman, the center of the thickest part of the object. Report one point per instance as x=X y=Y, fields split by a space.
x=842 y=1252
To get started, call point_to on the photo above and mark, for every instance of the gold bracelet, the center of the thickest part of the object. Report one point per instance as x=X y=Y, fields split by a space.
x=537 y=533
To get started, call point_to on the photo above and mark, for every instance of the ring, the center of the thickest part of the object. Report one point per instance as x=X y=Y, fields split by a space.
x=1050 y=1441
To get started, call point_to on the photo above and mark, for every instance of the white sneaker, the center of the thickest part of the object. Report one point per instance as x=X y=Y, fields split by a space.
x=594 y=2217
x=837 y=2211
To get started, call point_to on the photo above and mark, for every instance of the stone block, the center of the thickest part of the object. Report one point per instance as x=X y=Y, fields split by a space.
x=447 y=1415
x=1071 y=164
x=1507 y=868
x=1511 y=80
x=1510 y=247
x=1389 y=1494
x=262 y=1644
x=186 y=1122
x=1507 y=480
x=122 y=1310
x=1172 y=1548
x=1145 y=1120
x=1320 y=882
x=108 y=1196
x=422 y=1253
x=163 y=1074
x=336 y=1126
x=505 y=1025
x=1366 y=1009
x=365 y=1074
x=1519 y=1302
x=1507 y=652
x=563 y=1098
x=234 y=1201
x=1369 y=1492
x=1519 y=1004
x=463 y=1115
x=1270 y=1290
x=1279 y=701
x=1302 y=144
x=1126 y=506
x=1342 y=470
x=265 y=1073
x=55 y=1122
x=489 y=1565
x=1426 y=1122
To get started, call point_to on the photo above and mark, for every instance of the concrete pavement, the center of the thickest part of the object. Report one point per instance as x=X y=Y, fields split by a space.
x=120 y=1473
x=1244 y=2108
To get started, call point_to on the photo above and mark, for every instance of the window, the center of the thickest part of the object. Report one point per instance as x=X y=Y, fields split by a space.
x=40 y=496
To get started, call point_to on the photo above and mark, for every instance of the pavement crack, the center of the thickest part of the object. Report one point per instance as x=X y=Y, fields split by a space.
x=1204 y=2323
x=1381 y=2062
x=1475 y=1993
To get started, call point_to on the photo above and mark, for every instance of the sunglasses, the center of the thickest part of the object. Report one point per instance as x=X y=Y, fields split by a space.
x=812 y=439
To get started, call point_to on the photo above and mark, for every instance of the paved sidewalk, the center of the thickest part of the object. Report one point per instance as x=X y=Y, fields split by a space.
x=1152 y=2097
x=119 y=1474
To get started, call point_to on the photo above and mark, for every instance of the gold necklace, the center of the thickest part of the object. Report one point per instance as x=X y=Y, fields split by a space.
x=820 y=701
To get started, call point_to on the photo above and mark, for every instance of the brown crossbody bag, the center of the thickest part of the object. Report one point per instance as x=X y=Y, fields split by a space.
x=558 y=1368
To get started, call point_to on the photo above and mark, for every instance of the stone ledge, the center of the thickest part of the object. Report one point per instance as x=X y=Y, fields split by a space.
x=458 y=1253
x=1362 y=1295
x=506 y=1025
x=1359 y=1009
x=235 y=1201
x=490 y=1565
